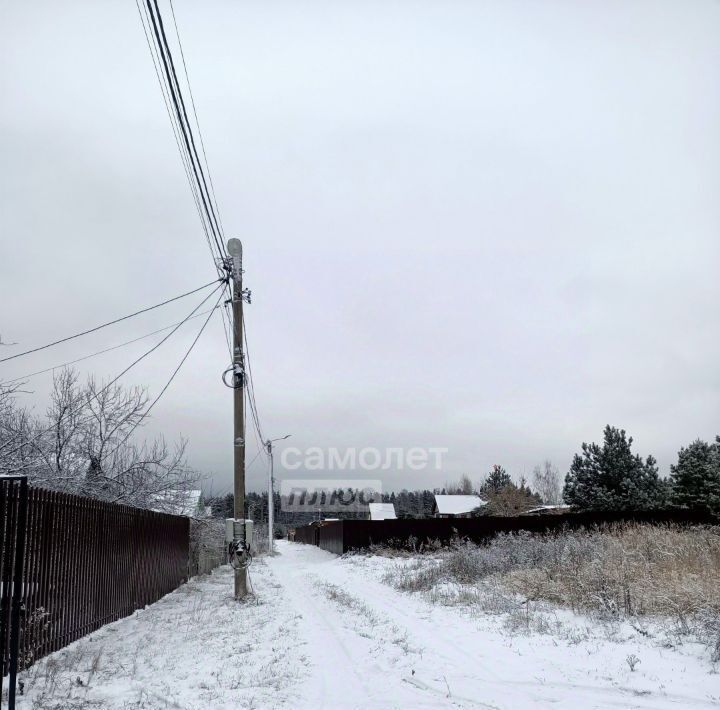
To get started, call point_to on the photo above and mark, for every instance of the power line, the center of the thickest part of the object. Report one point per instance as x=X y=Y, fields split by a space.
x=250 y=389
x=255 y=430
x=226 y=321
x=106 y=350
x=252 y=402
x=172 y=377
x=184 y=157
x=185 y=127
x=113 y=322
x=187 y=122
x=125 y=371
x=260 y=450
x=170 y=334
x=251 y=385
x=197 y=120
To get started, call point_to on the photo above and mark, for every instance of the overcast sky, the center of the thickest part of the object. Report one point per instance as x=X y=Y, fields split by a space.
x=487 y=226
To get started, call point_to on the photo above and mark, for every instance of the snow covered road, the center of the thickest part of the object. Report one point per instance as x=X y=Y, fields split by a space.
x=325 y=632
x=376 y=647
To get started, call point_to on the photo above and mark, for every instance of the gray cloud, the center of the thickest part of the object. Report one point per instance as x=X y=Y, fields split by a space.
x=486 y=226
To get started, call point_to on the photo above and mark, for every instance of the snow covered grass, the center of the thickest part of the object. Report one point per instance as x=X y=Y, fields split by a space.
x=196 y=648
x=322 y=632
x=664 y=575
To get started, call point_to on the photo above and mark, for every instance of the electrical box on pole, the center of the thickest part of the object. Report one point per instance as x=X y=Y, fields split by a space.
x=239 y=542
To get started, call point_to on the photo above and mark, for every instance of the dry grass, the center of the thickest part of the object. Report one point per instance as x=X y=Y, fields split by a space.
x=624 y=572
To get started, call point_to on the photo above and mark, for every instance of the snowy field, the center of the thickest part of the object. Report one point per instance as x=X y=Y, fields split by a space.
x=326 y=632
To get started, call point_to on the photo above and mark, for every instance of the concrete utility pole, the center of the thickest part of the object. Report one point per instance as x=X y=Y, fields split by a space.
x=271 y=493
x=235 y=249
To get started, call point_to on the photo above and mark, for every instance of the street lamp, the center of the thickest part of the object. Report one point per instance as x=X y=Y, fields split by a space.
x=271 y=495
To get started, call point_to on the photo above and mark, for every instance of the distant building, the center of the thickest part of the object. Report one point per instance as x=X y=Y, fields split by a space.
x=382 y=511
x=547 y=510
x=457 y=506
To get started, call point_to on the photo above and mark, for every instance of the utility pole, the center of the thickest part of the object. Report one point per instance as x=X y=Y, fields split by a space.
x=271 y=493
x=235 y=249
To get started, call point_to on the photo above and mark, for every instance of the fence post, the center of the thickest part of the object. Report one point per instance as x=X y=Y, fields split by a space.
x=17 y=587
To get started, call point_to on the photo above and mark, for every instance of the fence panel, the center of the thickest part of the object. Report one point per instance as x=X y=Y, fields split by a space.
x=345 y=535
x=87 y=563
x=14 y=494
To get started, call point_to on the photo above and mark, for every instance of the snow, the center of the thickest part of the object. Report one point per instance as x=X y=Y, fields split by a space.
x=188 y=503
x=326 y=632
x=457 y=504
x=542 y=508
x=382 y=511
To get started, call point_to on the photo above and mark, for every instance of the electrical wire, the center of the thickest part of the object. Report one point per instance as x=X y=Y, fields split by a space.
x=185 y=127
x=197 y=120
x=117 y=377
x=184 y=158
x=113 y=322
x=172 y=377
x=105 y=350
x=255 y=458
x=251 y=384
x=170 y=334
x=227 y=328
x=255 y=430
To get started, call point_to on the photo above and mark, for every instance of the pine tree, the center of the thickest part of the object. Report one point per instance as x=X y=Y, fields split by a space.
x=497 y=479
x=695 y=479
x=610 y=477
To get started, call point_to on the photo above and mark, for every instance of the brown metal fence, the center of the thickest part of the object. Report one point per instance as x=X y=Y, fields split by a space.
x=345 y=535
x=87 y=563
x=13 y=511
x=309 y=534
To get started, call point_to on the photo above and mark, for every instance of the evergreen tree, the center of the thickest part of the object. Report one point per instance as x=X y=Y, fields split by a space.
x=428 y=501
x=695 y=479
x=610 y=477
x=497 y=479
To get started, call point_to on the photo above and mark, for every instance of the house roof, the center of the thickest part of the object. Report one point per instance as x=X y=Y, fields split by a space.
x=543 y=508
x=457 y=504
x=382 y=511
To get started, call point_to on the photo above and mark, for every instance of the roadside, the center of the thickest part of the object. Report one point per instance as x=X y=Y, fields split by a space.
x=326 y=632
x=194 y=649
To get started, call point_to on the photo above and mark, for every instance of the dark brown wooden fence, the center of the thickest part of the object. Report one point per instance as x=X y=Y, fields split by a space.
x=344 y=535
x=86 y=563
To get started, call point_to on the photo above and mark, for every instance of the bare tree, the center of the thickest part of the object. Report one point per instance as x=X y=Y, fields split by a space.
x=464 y=486
x=87 y=443
x=547 y=483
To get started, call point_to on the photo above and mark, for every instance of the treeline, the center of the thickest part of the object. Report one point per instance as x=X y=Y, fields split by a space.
x=508 y=499
x=607 y=476
x=611 y=477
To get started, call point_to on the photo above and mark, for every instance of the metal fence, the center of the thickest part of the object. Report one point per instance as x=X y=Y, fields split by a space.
x=13 y=512
x=344 y=535
x=309 y=534
x=86 y=563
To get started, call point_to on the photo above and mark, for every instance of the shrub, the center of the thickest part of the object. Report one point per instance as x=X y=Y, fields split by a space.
x=625 y=571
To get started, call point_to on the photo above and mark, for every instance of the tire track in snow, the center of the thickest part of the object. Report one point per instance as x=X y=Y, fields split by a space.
x=493 y=675
x=347 y=675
